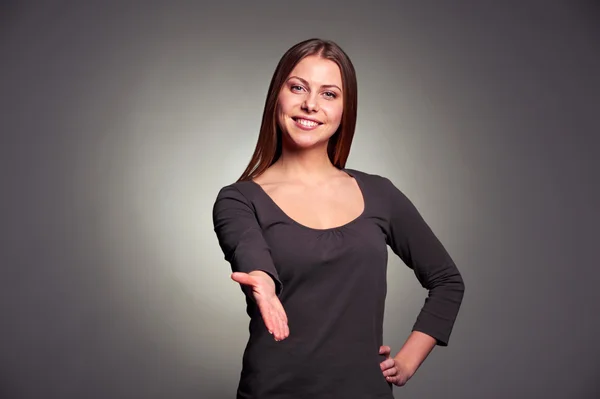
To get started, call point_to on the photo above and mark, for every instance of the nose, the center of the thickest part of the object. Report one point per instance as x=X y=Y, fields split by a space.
x=310 y=103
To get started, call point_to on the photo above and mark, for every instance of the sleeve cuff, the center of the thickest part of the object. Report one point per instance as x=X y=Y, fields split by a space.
x=435 y=327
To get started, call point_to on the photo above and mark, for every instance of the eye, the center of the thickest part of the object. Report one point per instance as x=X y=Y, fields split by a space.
x=296 y=88
x=330 y=95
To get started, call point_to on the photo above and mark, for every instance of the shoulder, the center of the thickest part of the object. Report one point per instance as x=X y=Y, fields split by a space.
x=372 y=181
x=239 y=186
x=241 y=191
x=381 y=190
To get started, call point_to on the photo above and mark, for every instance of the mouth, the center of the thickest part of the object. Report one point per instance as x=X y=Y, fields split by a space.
x=306 y=122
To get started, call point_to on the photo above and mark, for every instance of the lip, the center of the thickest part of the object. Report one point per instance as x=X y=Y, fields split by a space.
x=304 y=127
x=295 y=118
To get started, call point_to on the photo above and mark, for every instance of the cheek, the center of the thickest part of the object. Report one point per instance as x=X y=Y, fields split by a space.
x=280 y=109
x=280 y=116
x=334 y=112
x=285 y=104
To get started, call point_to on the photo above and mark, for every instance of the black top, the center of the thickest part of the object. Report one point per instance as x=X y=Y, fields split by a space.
x=332 y=285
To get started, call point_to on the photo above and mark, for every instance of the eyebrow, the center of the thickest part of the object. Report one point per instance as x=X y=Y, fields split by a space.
x=306 y=83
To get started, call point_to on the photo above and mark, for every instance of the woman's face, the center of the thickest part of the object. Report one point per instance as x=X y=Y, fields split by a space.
x=310 y=103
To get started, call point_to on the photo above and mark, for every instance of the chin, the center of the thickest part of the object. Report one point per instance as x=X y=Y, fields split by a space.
x=305 y=139
x=301 y=143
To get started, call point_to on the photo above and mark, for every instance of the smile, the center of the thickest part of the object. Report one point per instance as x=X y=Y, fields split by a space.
x=306 y=124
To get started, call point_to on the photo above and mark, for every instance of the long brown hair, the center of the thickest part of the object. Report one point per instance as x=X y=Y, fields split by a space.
x=268 y=147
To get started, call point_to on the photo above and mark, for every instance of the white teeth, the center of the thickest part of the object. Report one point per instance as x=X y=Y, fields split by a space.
x=307 y=123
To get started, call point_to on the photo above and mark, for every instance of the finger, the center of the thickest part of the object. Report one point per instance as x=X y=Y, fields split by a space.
x=387 y=364
x=280 y=328
x=385 y=350
x=391 y=372
x=277 y=327
x=287 y=327
x=243 y=278
x=281 y=318
x=278 y=334
x=268 y=322
x=267 y=316
x=271 y=316
x=283 y=324
x=276 y=324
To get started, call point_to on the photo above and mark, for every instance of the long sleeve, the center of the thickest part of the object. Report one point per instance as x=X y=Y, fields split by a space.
x=240 y=236
x=410 y=237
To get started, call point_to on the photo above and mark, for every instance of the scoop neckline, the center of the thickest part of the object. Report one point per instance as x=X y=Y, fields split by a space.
x=295 y=222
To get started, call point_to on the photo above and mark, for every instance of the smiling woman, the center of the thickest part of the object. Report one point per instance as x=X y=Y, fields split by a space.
x=306 y=239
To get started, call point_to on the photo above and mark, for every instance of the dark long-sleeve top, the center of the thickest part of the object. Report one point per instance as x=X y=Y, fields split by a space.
x=332 y=285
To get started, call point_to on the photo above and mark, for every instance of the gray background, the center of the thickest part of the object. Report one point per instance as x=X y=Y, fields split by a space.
x=120 y=122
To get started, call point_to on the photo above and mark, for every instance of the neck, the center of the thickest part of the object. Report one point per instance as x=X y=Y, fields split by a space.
x=306 y=165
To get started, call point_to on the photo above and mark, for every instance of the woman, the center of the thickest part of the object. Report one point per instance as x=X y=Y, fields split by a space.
x=306 y=239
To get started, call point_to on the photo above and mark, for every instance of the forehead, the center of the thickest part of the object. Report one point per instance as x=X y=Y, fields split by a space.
x=318 y=70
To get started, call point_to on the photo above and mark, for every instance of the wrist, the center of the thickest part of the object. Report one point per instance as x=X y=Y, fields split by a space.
x=266 y=277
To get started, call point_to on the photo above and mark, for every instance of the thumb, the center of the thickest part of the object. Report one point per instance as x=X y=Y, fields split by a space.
x=384 y=349
x=243 y=278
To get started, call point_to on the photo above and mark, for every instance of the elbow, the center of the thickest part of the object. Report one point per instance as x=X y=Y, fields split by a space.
x=448 y=280
x=457 y=281
x=460 y=286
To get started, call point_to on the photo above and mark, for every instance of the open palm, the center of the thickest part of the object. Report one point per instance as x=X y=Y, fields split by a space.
x=271 y=309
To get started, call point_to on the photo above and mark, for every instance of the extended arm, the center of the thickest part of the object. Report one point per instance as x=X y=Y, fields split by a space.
x=240 y=237
x=245 y=248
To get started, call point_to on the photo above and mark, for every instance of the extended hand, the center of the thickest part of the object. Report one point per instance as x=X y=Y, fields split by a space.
x=393 y=369
x=271 y=309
